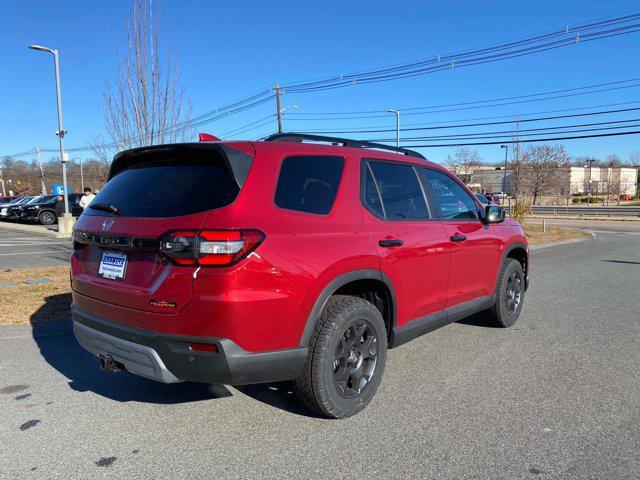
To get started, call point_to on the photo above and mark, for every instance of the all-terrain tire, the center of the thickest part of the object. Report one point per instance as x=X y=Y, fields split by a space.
x=347 y=325
x=509 y=293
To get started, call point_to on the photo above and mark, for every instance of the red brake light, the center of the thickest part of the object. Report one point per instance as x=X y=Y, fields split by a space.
x=210 y=247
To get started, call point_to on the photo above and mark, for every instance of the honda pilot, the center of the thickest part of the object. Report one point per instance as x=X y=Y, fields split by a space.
x=300 y=258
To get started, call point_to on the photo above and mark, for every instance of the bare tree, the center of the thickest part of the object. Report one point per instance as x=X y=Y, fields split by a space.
x=613 y=161
x=463 y=163
x=543 y=163
x=102 y=150
x=145 y=105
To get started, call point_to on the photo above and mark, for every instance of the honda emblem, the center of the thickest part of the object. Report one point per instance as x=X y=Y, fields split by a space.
x=106 y=225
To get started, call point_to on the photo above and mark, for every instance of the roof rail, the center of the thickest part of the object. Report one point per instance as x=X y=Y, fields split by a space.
x=300 y=137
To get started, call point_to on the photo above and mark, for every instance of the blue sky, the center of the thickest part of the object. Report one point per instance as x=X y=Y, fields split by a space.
x=228 y=50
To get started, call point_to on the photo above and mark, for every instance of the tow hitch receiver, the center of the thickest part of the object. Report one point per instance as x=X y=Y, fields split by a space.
x=108 y=364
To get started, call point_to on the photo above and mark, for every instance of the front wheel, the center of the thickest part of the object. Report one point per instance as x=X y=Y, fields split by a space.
x=509 y=295
x=346 y=358
x=47 y=218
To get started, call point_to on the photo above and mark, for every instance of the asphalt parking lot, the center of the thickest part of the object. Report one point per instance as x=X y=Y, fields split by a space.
x=30 y=247
x=555 y=396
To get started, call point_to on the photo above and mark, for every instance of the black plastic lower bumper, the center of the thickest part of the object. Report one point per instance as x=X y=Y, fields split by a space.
x=168 y=358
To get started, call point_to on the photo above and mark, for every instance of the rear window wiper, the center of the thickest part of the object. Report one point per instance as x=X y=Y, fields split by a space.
x=105 y=208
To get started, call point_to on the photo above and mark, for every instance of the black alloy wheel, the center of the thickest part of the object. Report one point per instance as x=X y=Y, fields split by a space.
x=355 y=359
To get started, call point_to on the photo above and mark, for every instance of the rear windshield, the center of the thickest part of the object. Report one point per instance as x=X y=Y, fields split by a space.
x=169 y=187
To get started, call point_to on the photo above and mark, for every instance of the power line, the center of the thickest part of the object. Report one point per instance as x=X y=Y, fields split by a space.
x=477 y=102
x=489 y=135
x=480 y=124
x=527 y=46
x=581 y=33
x=603 y=125
x=511 y=141
x=495 y=117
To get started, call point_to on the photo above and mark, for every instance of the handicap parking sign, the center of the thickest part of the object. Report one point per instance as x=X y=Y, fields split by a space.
x=58 y=189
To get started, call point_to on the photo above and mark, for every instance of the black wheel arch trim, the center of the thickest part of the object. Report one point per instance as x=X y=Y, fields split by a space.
x=510 y=248
x=337 y=283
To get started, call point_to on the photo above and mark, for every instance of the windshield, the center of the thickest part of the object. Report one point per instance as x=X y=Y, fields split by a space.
x=35 y=200
x=168 y=187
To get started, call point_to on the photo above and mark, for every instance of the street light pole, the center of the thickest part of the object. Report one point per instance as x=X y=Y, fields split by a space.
x=397 y=112
x=504 y=173
x=61 y=131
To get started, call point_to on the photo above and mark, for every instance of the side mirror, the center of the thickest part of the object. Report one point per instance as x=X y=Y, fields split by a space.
x=494 y=214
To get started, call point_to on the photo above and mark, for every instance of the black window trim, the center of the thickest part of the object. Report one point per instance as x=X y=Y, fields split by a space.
x=363 y=201
x=302 y=212
x=428 y=187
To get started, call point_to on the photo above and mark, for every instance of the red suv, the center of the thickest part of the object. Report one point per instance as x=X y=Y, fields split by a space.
x=285 y=259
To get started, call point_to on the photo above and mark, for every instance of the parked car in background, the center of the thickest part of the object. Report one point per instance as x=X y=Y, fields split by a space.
x=252 y=262
x=626 y=196
x=14 y=212
x=482 y=199
x=492 y=198
x=7 y=208
x=47 y=210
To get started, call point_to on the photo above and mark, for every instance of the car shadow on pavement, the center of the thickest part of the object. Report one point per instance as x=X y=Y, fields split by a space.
x=59 y=348
x=279 y=395
x=476 y=320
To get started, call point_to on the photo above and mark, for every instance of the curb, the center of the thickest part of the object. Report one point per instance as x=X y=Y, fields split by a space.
x=591 y=236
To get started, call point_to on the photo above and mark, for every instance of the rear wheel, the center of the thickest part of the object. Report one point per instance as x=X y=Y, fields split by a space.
x=509 y=295
x=47 y=218
x=346 y=358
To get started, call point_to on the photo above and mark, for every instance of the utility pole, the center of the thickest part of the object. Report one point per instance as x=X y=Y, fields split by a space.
x=278 y=111
x=43 y=186
x=590 y=162
x=504 y=173
x=81 y=177
x=397 y=113
x=4 y=193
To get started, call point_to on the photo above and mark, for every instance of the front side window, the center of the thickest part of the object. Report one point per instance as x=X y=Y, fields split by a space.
x=400 y=194
x=309 y=183
x=455 y=203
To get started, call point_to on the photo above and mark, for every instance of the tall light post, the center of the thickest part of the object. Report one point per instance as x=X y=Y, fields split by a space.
x=504 y=173
x=61 y=131
x=397 y=112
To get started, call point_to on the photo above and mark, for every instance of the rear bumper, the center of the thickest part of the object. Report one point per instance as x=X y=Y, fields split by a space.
x=168 y=359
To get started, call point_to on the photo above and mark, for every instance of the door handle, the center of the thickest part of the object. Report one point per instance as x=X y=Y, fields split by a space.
x=458 y=238
x=390 y=243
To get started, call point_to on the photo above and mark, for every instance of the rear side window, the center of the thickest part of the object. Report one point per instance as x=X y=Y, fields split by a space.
x=400 y=194
x=309 y=183
x=170 y=186
x=454 y=201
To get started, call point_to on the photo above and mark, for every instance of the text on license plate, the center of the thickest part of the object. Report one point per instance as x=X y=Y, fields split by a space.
x=113 y=265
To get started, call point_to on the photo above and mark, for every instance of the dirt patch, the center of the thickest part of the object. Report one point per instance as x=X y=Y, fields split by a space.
x=24 y=303
x=536 y=236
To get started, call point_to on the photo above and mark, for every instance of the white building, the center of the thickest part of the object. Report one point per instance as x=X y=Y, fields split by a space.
x=572 y=180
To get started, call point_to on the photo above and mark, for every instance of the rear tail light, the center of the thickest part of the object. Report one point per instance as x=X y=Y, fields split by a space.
x=210 y=247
